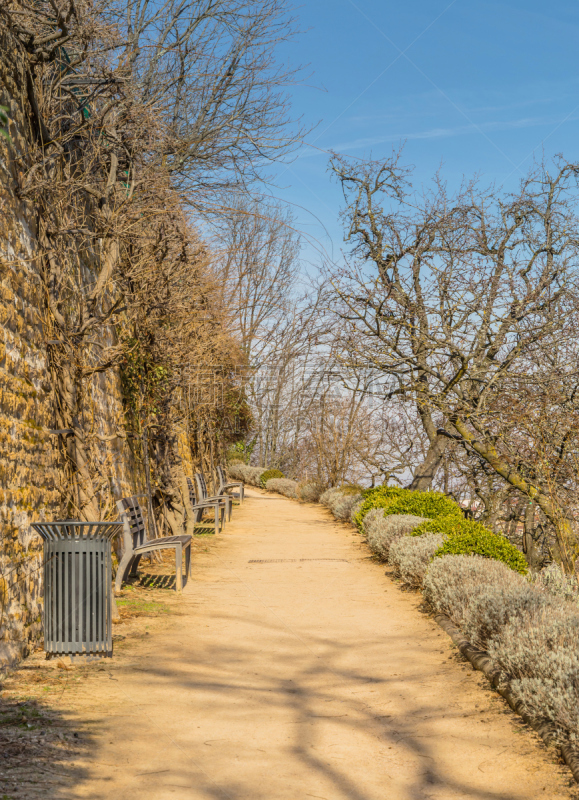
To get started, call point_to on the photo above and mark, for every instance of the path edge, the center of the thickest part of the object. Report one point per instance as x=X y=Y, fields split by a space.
x=482 y=662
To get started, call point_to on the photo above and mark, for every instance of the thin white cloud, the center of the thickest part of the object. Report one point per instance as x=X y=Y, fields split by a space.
x=432 y=133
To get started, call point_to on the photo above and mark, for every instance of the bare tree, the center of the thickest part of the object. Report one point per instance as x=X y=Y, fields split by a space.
x=209 y=69
x=130 y=107
x=278 y=328
x=463 y=294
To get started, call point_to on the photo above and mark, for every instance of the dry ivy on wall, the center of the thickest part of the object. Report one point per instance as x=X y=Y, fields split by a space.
x=118 y=259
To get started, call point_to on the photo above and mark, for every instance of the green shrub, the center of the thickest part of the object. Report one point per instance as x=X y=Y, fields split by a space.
x=386 y=491
x=450 y=526
x=268 y=474
x=379 y=497
x=482 y=542
x=425 y=504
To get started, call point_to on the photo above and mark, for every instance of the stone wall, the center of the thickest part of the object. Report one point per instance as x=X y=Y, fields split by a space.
x=29 y=472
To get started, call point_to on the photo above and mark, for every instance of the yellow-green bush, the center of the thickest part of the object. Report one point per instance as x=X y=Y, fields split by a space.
x=269 y=474
x=449 y=526
x=482 y=542
x=379 y=497
x=424 y=504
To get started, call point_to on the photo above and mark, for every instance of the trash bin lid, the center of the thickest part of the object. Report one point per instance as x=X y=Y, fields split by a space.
x=76 y=529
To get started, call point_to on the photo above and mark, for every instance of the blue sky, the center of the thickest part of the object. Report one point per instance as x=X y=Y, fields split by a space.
x=474 y=87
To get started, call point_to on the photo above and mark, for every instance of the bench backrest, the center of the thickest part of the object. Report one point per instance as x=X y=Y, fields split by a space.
x=134 y=529
x=201 y=486
x=221 y=477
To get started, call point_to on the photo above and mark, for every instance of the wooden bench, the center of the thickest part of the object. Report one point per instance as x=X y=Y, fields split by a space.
x=225 y=486
x=136 y=544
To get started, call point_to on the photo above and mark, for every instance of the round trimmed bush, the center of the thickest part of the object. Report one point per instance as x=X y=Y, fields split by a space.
x=268 y=475
x=381 y=532
x=309 y=492
x=283 y=486
x=379 y=497
x=411 y=557
x=329 y=496
x=425 y=504
x=450 y=526
x=482 y=542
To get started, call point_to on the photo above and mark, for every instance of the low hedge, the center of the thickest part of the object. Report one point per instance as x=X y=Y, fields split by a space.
x=246 y=473
x=309 y=492
x=379 y=497
x=449 y=526
x=395 y=500
x=482 y=542
x=467 y=537
x=268 y=474
x=425 y=504
x=411 y=558
x=283 y=486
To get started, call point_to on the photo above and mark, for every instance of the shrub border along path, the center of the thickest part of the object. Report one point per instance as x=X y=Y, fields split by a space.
x=482 y=662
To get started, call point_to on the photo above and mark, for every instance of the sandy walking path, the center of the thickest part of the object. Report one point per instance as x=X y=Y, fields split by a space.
x=297 y=669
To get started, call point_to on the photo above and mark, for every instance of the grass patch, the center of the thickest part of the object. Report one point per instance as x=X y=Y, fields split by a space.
x=134 y=607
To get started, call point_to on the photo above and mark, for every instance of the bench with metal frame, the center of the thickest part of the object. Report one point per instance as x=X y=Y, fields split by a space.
x=198 y=491
x=225 y=486
x=198 y=506
x=136 y=544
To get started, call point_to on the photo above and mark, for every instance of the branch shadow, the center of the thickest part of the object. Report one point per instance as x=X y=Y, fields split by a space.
x=306 y=691
x=38 y=748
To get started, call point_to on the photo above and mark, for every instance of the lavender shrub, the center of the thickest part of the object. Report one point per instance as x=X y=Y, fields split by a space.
x=411 y=556
x=382 y=531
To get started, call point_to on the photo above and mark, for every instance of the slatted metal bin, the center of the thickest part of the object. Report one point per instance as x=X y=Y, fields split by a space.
x=78 y=586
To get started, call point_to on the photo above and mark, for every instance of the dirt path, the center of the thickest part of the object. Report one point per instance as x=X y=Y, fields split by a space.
x=297 y=669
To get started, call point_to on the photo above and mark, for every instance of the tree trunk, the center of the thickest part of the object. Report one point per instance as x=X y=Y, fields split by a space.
x=530 y=549
x=426 y=472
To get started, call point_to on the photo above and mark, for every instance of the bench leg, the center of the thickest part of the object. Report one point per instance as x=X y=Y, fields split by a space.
x=217 y=508
x=179 y=567
x=135 y=566
x=188 y=560
x=123 y=570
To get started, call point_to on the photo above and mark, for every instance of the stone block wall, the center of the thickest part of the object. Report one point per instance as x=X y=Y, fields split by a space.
x=29 y=472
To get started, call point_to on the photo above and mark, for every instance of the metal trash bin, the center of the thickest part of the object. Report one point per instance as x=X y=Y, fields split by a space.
x=78 y=586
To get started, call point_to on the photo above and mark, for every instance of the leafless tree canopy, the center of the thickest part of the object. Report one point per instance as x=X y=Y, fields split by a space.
x=464 y=305
x=137 y=112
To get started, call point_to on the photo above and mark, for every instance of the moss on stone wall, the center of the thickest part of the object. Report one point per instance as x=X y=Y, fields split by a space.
x=29 y=467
